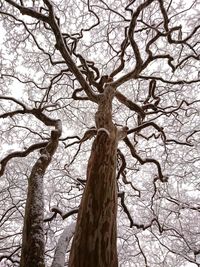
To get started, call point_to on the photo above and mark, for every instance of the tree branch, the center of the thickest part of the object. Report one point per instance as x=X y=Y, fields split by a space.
x=20 y=154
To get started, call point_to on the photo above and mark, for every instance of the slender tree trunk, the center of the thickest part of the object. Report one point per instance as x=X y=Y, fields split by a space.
x=33 y=241
x=32 y=254
x=62 y=245
x=94 y=243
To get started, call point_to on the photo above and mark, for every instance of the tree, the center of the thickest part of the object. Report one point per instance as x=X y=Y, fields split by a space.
x=99 y=103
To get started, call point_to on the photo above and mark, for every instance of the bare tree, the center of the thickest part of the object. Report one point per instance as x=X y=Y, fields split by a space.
x=100 y=125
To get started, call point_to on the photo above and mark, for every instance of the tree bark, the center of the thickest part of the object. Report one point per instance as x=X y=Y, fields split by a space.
x=62 y=245
x=94 y=243
x=32 y=254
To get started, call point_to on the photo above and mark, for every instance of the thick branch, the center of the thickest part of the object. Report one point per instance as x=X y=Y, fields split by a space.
x=61 y=46
x=132 y=26
x=121 y=195
x=145 y=125
x=28 y=11
x=181 y=82
x=147 y=160
x=130 y=104
x=20 y=154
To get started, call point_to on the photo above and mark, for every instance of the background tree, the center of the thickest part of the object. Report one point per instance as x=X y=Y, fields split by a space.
x=100 y=112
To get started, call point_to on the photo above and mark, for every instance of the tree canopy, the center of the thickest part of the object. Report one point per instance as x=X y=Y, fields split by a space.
x=58 y=58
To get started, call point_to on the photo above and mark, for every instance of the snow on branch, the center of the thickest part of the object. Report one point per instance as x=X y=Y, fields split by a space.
x=15 y=154
x=57 y=210
x=161 y=177
x=103 y=130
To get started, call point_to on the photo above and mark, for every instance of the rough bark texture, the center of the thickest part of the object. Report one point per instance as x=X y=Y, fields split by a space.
x=94 y=243
x=32 y=254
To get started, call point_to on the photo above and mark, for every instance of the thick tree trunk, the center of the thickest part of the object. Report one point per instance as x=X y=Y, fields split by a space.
x=32 y=254
x=94 y=243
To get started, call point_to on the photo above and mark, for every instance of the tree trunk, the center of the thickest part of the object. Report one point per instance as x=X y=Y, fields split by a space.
x=94 y=243
x=32 y=254
x=62 y=245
